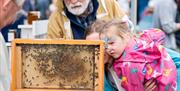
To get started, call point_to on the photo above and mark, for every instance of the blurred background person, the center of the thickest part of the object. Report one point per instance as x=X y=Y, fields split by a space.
x=29 y=5
x=177 y=33
x=141 y=5
x=146 y=19
x=164 y=15
x=14 y=12
x=43 y=7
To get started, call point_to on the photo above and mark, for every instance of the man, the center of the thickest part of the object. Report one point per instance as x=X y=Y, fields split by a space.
x=10 y=16
x=73 y=16
x=8 y=10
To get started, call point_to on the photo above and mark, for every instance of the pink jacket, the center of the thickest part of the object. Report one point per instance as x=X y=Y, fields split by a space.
x=144 y=59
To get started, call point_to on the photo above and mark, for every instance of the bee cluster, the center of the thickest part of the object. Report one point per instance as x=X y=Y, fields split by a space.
x=59 y=66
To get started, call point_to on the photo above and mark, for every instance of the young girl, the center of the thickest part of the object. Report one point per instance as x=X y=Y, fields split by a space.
x=138 y=59
x=92 y=33
x=110 y=79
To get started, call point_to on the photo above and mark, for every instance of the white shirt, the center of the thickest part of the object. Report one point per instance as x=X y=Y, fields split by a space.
x=4 y=66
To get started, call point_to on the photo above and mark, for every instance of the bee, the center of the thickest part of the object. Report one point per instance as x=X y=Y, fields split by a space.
x=35 y=68
x=30 y=84
x=37 y=84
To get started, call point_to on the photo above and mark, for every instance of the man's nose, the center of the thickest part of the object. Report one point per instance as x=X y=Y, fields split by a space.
x=74 y=1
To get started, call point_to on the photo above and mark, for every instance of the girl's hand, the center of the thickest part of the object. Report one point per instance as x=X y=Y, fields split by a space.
x=150 y=85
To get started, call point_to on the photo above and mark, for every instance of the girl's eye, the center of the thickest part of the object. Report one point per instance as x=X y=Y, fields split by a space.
x=111 y=43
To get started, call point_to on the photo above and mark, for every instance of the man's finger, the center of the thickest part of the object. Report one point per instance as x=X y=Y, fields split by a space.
x=148 y=82
x=151 y=86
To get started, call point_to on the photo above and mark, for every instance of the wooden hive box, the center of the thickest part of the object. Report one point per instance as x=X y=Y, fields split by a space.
x=57 y=65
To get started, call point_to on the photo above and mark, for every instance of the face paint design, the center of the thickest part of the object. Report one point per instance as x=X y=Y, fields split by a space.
x=106 y=40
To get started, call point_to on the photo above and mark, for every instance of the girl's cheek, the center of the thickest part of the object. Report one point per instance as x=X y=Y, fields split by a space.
x=106 y=51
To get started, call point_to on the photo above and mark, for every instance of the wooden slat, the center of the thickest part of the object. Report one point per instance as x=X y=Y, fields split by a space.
x=13 y=67
x=73 y=42
x=18 y=68
x=101 y=68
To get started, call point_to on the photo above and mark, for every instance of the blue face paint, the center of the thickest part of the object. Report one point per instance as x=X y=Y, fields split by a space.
x=106 y=40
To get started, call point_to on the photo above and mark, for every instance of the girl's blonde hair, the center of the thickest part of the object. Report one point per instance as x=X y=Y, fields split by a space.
x=95 y=27
x=121 y=28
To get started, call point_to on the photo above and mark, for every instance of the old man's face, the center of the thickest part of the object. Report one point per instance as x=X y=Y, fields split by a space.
x=77 y=7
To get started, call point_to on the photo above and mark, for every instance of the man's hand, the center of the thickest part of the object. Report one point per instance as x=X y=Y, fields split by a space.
x=150 y=85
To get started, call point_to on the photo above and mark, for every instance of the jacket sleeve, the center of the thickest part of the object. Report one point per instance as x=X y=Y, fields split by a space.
x=55 y=29
x=163 y=70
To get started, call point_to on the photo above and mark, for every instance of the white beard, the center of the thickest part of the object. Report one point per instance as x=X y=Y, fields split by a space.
x=78 y=8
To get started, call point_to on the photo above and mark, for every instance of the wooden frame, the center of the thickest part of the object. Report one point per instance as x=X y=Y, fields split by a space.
x=34 y=71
